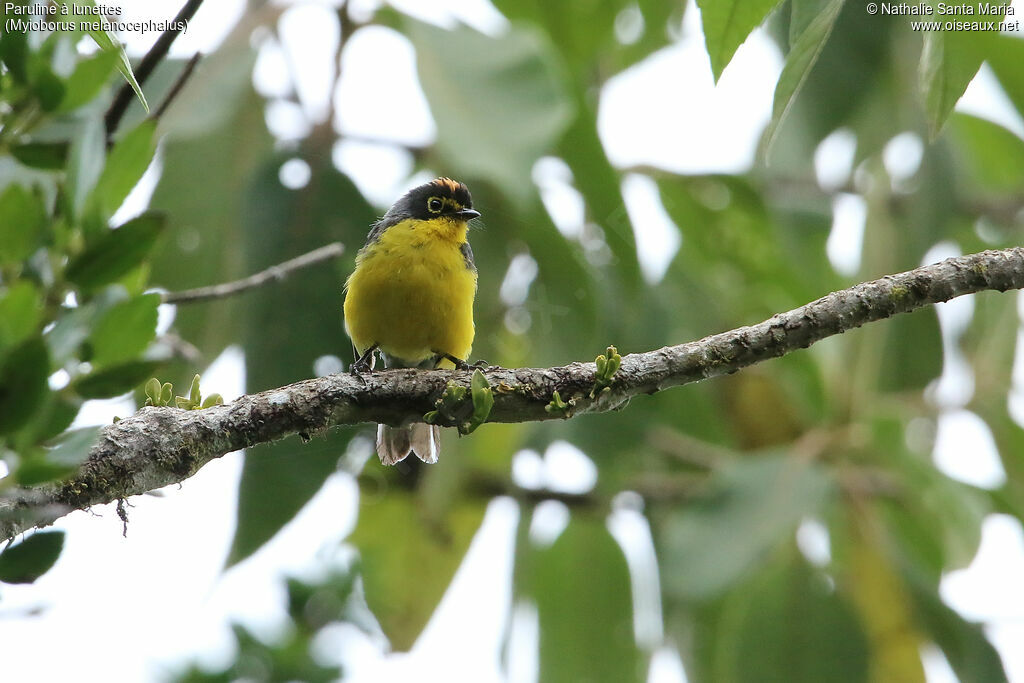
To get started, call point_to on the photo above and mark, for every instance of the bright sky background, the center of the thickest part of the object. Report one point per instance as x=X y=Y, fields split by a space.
x=101 y=606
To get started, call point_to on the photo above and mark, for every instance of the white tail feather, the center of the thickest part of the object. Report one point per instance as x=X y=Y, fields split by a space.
x=395 y=443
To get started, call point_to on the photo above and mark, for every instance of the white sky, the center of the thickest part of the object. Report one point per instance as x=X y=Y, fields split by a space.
x=99 y=604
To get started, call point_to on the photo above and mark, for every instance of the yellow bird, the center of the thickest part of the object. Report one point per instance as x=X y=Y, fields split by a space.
x=410 y=298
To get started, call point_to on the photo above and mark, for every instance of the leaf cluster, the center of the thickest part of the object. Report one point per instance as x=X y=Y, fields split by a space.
x=76 y=322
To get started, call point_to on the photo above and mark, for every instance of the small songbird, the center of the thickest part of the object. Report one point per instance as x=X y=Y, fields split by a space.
x=410 y=298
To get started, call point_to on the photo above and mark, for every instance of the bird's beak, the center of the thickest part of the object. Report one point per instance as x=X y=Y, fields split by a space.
x=467 y=214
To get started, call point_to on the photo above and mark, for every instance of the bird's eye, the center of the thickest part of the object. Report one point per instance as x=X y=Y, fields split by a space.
x=434 y=205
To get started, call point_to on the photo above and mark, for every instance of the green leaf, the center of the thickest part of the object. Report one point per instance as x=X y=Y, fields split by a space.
x=61 y=461
x=14 y=44
x=727 y=23
x=116 y=252
x=23 y=373
x=153 y=392
x=46 y=85
x=21 y=310
x=395 y=536
x=752 y=505
x=50 y=419
x=128 y=160
x=74 y=325
x=512 y=89
x=88 y=78
x=48 y=156
x=799 y=62
x=23 y=220
x=1005 y=57
x=109 y=43
x=88 y=150
x=994 y=155
x=581 y=588
x=970 y=654
x=793 y=626
x=213 y=400
x=949 y=61
x=907 y=366
x=125 y=330
x=26 y=561
x=115 y=380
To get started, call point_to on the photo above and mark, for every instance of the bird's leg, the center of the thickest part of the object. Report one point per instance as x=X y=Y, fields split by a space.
x=364 y=362
x=461 y=364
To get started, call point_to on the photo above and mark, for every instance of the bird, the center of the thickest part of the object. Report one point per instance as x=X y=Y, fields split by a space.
x=410 y=299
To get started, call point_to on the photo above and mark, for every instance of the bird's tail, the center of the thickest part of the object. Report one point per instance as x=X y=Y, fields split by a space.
x=394 y=444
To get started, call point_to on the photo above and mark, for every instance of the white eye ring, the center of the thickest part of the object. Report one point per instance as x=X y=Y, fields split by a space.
x=434 y=205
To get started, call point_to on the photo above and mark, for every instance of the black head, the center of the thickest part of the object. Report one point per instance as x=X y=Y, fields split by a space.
x=440 y=198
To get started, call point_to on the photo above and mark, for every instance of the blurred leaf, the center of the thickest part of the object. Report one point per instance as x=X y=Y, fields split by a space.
x=581 y=43
x=73 y=325
x=126 y=163
x=125 y=330
x=49 y=156
x=882 y=601
x=23 y=373
x=750 y=507
x=939 y=529
x=21 y=311
x=855 y=83
x=793 y=626
x=216 y=97
x=1005 y=57
x=85 y=164
x=88 y=78
x=581 y=587
x=511 y=90
x=912 y=356
x=206 y=227
x=727 y=23
x=949 y=61
x=799 y=62
x=14 y=44
x=115 y=253
x=59 y=462
x=26 y=561
x=408 y=558
x=54 y=416
x=601 y=185
x=115 y=379
x=280 y=223
x=969 y=653
x=46 y=85
x=994 y=155
x=24 y=218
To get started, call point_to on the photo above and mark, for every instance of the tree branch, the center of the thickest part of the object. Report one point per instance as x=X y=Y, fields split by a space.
x=179 y=83
x=278 y=272
x=146 y=67
x=161 y=446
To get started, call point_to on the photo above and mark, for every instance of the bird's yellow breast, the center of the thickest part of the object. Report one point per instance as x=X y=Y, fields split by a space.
x=412 y=292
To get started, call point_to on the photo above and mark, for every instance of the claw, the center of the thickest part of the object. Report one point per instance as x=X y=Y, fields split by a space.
x=364 y=363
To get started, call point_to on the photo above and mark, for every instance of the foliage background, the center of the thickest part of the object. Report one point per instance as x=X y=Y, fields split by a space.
x=785 y=523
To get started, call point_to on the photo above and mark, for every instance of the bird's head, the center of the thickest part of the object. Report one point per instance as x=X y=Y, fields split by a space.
x=440 y=198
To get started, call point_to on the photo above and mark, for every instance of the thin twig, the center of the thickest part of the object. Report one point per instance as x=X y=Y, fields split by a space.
x=148 y=64
x=183 y=77
x=157 y=447
x=273 y=273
